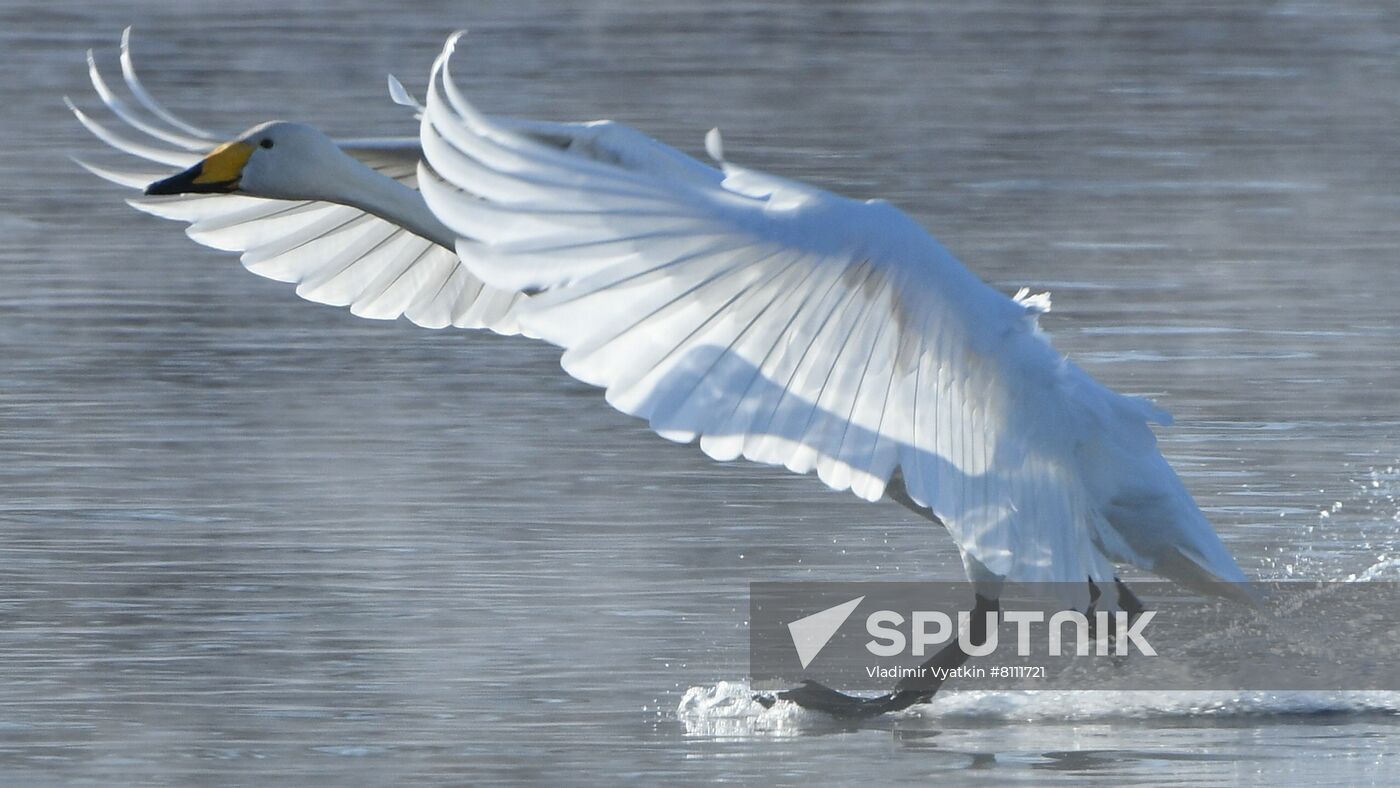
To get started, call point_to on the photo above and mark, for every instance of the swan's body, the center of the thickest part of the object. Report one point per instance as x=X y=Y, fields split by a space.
x=781 y=323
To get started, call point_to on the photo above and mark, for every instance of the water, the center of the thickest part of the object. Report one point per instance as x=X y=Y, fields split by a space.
x=249 y=539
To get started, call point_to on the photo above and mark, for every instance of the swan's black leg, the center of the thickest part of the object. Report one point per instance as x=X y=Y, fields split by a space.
x=1128 y=602
x=908 y=692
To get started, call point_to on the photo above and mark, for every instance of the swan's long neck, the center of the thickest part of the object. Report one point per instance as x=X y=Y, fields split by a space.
x=388 y=199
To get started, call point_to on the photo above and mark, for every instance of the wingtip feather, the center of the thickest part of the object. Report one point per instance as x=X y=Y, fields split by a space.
x=453 y=39
x=145 y=99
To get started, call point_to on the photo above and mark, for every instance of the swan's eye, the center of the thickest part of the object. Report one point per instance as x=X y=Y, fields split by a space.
x=266 y=143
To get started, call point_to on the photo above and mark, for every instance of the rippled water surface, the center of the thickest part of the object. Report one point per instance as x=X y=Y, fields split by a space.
x=247 y=539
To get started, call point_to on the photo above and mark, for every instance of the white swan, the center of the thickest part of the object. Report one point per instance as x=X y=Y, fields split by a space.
x=342 y=219
x=766 y=318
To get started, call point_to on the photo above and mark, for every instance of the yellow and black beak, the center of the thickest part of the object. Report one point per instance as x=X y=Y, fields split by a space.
x=219 y=173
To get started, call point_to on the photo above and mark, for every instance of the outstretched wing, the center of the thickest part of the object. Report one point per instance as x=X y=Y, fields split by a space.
x=335 y=254
x=786 y=325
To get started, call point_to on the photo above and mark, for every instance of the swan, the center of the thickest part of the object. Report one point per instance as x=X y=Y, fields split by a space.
x=760 y=316
x=774 y=321
x=341 y=219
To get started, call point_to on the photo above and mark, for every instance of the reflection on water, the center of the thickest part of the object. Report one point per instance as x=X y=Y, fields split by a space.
x=248 y=537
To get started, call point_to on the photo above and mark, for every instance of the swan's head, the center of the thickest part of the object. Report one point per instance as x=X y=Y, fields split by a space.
x=280 y=159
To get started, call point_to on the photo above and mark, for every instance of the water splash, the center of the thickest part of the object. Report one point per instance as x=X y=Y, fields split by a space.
x=727 y=709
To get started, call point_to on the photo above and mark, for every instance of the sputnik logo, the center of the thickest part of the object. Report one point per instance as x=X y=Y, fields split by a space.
x=810 y=634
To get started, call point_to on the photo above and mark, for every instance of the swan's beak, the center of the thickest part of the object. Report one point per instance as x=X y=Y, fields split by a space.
x=220 y=172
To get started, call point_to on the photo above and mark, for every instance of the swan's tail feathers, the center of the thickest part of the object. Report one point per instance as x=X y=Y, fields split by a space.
x=1154 y=524
x=1194 y=572
x=1148 y=517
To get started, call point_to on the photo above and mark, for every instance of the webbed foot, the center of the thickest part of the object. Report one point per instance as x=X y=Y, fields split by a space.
x=819 y=697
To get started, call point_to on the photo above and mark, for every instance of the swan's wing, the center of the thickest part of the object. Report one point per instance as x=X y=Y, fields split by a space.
x=786 y=325
x=336 y=254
